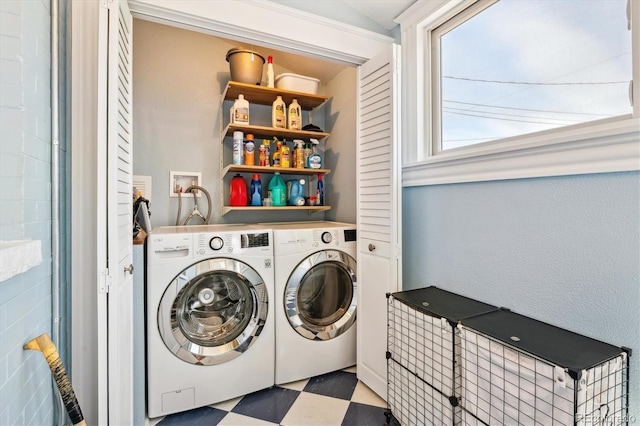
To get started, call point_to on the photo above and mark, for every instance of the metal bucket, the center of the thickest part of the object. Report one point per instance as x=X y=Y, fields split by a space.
x=246 y=65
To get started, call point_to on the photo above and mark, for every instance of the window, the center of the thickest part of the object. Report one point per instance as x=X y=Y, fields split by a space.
x=529 y=80
x=522 y=66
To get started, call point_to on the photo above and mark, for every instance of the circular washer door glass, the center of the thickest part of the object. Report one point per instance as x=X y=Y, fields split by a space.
x=320 y=297
x=213 y=311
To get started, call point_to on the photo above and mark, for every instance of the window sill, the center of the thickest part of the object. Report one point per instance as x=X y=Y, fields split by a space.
x=602 y=148
x=17 y=257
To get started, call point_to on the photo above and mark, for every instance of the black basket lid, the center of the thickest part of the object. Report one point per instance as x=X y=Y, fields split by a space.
x=558 y=346
x=436 y=302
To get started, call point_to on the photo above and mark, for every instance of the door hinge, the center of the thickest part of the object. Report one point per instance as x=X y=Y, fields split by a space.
x=104 y=281
x=398 y=252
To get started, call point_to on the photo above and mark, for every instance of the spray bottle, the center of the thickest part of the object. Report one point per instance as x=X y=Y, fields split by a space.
x=298 y=154
x=315 y=160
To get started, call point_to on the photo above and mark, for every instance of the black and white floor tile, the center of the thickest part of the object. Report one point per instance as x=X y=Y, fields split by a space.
x=336 y=398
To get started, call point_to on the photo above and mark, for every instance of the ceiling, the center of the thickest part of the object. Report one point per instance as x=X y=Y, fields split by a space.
x=372 y=15
x=381 y=11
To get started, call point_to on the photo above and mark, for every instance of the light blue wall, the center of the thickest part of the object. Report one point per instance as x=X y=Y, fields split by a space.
x=563 y=250
x=25 y=207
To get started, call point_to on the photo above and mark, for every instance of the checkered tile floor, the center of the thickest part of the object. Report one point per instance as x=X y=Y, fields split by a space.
x=332 y=399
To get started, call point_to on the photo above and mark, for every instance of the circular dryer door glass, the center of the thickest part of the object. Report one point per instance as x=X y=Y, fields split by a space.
x=320 y=297
x=213 y=311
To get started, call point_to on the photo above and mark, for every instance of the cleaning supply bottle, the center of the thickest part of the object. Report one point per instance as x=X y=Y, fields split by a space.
x=320 y=191
x=238 y=193
x=298 y=154
x=256 y=190
x=278 y=191
x=315 y=160
x=295 y=192
x=285 y=156
x=238 y=140
x=263 y=156
x=307 y=153
x=240 y=111
x=249 y=151
x=277 y=153
x=279 y=114
x=295 y=116
x=270 y=75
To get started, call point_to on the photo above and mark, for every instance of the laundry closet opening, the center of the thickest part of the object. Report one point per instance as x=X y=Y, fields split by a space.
x=179 y=76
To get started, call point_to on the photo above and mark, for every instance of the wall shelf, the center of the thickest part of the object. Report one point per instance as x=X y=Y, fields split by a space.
x=235 y=168
x=311 y=209
x=263 y=132
x=266 y=95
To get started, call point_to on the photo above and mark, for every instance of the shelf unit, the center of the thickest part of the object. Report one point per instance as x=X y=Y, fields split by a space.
x=265 y=96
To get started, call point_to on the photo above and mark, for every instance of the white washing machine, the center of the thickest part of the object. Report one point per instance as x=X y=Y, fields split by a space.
x=210 y=319
x=316 y=298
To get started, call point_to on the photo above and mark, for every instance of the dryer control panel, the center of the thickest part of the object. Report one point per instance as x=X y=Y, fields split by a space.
x=256 y=243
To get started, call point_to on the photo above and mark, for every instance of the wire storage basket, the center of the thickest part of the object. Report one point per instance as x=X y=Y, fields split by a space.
x=516 y=370
x=421 y=366
x=452 y=360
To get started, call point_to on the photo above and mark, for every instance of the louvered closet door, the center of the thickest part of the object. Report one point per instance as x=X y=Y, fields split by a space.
x=379 y=215
x=117 y=70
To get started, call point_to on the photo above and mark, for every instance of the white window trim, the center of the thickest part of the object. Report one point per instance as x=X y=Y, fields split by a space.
x=606 y=146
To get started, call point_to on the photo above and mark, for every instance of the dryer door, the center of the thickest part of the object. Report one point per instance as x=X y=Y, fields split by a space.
x=320 y=296
x=213 y=311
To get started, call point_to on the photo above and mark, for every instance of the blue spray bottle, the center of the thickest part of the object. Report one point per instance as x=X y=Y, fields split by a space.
x=320 y=192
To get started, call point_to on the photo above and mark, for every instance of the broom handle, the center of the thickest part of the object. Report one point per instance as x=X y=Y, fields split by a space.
x=44 y=344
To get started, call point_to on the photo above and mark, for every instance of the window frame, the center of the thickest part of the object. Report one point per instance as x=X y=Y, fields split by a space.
x=609 y=145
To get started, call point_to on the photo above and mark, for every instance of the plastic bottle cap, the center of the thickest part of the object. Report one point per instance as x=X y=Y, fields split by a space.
x=256 y=176
x=250 y=136
x=269 y=59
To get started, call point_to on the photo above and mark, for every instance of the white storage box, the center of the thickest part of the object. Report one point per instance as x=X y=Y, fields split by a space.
x=297 y=83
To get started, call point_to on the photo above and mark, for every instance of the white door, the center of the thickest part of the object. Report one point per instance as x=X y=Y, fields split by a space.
x=115 y=296
x=379 y=211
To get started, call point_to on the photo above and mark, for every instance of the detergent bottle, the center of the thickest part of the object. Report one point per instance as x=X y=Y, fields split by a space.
x=295 y=116
x=295 y=192
x=285 y=157
x=256 y=190
x=238 y=193
x=278 y=190
x=279 y=114
x=240 y=111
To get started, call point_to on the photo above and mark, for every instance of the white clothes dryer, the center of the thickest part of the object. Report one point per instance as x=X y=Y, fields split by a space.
x=210 y=319
x=316 y=298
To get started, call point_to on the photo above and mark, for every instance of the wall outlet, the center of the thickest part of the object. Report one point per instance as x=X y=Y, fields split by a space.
x=181 y=181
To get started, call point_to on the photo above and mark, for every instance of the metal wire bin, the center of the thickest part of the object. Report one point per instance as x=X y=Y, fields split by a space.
x=421 y=339
x=519 y=371
x=452 y=360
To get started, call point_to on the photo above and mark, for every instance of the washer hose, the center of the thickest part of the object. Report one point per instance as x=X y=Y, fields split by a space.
x=195 y=209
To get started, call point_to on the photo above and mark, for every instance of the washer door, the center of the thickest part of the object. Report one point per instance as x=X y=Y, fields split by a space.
x=213 y=311
x=320 y=296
